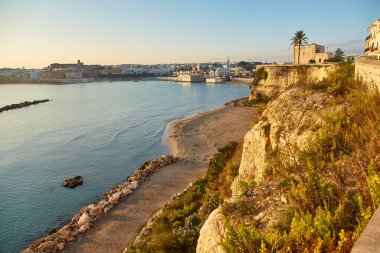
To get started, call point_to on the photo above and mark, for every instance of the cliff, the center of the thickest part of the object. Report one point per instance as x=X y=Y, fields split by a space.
x=309 y=175
x=281 y=77
x=287 y=123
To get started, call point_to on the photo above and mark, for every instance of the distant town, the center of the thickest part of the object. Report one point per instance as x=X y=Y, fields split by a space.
x=80 y=72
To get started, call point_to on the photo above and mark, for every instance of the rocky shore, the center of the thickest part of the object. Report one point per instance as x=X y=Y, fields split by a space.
x=23 y=104
x=86 y=217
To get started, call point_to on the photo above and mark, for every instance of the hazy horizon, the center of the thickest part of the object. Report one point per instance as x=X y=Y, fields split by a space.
x=36 y=33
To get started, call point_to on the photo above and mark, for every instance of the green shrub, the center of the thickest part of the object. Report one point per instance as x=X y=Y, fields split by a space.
x=342 y=80
x=239 y=208
x=260 y=74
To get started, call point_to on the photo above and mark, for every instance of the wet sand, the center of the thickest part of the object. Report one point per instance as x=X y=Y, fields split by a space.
x=193 y=139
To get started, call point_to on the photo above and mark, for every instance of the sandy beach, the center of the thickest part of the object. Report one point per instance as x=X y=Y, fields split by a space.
x=194 y=140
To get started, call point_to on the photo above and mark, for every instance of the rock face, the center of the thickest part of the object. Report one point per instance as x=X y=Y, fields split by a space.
x=281 y=77
x=288 y=122
x=72 y=182
x=212 y=233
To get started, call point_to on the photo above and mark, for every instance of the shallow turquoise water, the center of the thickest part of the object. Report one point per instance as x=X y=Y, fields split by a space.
x=101 y=131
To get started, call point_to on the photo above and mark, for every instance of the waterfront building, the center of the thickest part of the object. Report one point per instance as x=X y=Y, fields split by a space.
x=236 y=71
x=77 y=65
x=311 y=53
x=222 y=72
x=194 y=75
x=372 y=41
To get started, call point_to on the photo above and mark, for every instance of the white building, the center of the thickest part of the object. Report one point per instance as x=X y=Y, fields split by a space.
x=373 y=40
x=223 y=72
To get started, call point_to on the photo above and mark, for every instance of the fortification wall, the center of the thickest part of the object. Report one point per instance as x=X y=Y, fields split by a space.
x=369 y=70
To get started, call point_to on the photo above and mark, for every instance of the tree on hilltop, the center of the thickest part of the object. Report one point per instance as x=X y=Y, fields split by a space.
x=298 y=39
x=339 y=54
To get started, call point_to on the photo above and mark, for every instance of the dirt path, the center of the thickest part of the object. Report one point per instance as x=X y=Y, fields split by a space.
x=194 y=139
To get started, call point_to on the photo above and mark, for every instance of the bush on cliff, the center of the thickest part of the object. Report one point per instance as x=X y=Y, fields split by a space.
x=334 y=186
x=177 y=228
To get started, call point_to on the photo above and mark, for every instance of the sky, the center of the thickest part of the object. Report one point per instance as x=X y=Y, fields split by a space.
x=36 y=33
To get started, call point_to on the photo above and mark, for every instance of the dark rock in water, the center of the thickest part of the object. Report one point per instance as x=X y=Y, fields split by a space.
x=52 y=230
x=73 y=182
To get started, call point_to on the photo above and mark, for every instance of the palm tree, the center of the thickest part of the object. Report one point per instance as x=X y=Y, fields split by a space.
x=298 y=39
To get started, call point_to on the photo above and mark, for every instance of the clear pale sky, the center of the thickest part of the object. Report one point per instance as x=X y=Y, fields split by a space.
x=35 y=33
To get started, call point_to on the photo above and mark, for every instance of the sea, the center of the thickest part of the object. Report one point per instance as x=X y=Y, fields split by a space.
x=101 y=131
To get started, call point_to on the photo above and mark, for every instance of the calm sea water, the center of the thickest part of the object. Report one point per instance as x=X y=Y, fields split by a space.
x=101 y=131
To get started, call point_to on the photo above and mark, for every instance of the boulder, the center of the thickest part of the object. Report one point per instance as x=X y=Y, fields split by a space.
x=90 y=206
x=84 y=228
x=37 y=243
x=115 y=197
x=64 y=232
x=85 y=218
x=133 y=185
x=47 y=246
x=52 y=231
x=134 y=178
x=49 y=238
x=28 y=251
x=103 y=202
x=72 y=182
x=126 y=191
x=70 y=238
x=61 y=245
x=76 y=217
x=96 y=211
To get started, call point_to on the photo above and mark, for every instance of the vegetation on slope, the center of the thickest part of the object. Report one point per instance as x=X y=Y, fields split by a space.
x=177 y=228
x=333 y=187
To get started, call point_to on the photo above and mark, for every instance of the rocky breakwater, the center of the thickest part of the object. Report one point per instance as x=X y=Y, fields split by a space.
x=23 y=104
x=89 y=214
x=287 y=124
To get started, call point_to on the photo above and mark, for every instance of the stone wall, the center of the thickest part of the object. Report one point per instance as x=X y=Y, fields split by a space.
x=281 y=77
x=369 y=70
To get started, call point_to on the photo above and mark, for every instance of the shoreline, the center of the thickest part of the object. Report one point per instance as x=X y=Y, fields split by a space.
x=192 y=140
x=175 y=127
x=91 y=80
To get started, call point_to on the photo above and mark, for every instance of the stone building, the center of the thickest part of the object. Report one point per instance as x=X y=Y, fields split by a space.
x=373 y=40
x=77 y=65
x=311 y=53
